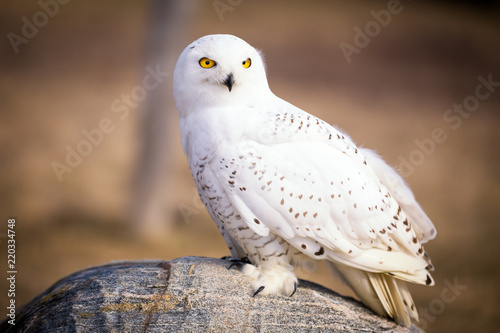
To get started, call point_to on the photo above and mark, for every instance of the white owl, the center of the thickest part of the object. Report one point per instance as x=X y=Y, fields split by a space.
x=286 y=189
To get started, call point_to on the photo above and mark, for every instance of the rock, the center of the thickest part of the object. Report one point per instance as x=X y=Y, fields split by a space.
x=189 y=294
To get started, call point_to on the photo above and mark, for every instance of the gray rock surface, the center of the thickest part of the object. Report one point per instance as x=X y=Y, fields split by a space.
x=189 y=294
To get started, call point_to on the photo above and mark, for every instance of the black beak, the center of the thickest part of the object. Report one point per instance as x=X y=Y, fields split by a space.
x=229 y=81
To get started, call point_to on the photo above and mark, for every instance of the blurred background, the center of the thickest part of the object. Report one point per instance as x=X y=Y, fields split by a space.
x=92 y=167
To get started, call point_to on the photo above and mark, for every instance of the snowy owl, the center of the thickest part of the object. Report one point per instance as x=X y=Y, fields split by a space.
x=287 y=189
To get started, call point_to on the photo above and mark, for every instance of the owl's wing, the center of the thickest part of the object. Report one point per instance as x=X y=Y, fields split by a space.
x=308 y=183
x=399 y=189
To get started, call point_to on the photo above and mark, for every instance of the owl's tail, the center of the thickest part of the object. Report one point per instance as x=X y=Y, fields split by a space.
x=384 y=294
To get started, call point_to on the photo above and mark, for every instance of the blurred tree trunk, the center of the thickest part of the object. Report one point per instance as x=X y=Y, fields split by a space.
x=169 y=21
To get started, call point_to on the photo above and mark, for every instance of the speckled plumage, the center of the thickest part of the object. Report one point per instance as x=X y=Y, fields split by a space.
x=286 y=189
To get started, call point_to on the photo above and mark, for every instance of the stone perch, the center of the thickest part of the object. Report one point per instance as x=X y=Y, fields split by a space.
x=189 y=294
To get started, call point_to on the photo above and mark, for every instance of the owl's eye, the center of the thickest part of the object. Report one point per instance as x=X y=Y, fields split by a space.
x=207 y=63
x=247 y=63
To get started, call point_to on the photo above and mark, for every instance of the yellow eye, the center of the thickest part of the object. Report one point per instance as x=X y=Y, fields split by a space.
x=207 y=63
x=247 y=63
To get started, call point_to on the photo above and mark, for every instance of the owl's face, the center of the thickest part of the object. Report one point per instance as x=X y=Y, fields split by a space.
x=218 y=69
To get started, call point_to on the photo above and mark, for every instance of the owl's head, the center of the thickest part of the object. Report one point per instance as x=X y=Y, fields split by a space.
x=218 y=70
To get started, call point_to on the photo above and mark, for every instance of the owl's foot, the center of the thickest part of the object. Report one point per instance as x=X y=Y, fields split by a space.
x=277 y=279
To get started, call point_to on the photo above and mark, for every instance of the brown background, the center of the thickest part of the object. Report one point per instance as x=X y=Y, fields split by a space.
x=395 y=91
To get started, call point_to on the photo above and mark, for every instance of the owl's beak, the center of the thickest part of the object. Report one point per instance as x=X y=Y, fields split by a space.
x=229 y=81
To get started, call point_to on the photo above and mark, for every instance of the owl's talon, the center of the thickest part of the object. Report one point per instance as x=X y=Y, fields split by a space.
x=235 y=264
x=258 y=291
x=294 y=288
x=238 y=262
x=233 y=259
x=243 y=260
